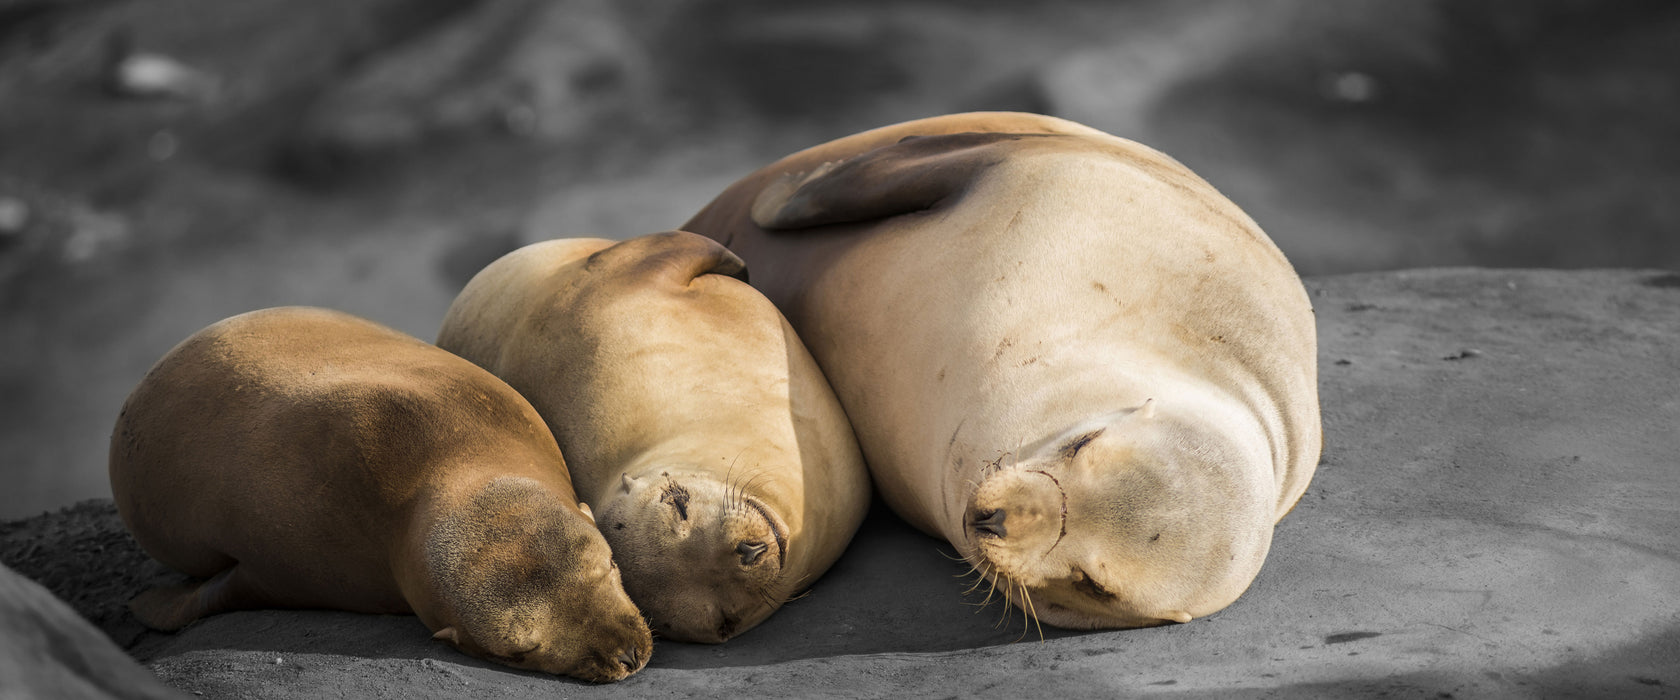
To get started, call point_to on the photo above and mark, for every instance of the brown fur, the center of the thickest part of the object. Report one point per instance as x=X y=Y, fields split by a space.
x=695 y=423
x=306 y=458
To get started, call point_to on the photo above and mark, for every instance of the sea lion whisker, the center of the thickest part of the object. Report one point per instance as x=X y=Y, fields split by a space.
x=973 y=485
x=952 y=557
x=735 y=494
x=1023 y=607
x=979 y=579
x=749 y=483
x=729 y=482
x=991 y=577
x=984 y=601
x=1008 y=601
x=753 y=480
x=1031 y=611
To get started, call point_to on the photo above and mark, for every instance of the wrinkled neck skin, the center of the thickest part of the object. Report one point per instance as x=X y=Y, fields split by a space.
x=1152 y=506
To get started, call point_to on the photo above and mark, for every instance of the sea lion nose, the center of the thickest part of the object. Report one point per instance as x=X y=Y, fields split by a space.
x=750 y=552
x=990 y=522
x=631 y=659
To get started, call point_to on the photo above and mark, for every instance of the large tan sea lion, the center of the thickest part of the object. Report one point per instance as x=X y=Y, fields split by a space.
x=1060 y=350
x=307 y=458
x=717 y=459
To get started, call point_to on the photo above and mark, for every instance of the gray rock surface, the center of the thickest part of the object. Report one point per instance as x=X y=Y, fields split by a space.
x=48 y=651
x=1497 y=515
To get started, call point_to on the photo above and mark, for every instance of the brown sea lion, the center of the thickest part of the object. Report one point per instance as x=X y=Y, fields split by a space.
x=1060 y=350
x=716 y=457
x=306 y=458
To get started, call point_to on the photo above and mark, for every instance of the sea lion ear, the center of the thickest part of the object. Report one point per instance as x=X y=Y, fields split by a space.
x=915 y=174
x=1147 y=410
x=448 y=634
x=626 y=482
x=679 y=256
x=586 y=511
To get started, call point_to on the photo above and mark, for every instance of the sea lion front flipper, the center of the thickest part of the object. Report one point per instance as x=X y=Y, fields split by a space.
x=915 y=174
x=169 y=608
x=679 y=255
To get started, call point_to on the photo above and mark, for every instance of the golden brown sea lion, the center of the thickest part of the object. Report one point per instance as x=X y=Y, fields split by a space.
x=716 y=457
x=307 y=458
x=1060 y=350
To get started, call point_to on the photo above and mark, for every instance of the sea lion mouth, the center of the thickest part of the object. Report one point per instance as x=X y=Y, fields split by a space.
x=775 y=529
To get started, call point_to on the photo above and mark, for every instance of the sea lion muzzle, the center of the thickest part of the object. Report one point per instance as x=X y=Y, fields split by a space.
x=989 y=523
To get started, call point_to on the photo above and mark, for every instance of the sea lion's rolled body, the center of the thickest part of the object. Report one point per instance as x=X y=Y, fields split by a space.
x=994 y=300
x=307 y=458
x=717 y=459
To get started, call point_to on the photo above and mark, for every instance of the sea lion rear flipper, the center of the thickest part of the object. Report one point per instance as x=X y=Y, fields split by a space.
x=169 y=608
x=915 y=174
x=680 y=255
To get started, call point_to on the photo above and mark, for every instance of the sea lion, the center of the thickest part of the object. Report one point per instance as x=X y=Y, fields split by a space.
x=307 y=458
x=717 y=459
x=1060 y=350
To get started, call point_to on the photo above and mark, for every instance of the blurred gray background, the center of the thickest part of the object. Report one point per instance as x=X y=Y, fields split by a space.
x=168 y=163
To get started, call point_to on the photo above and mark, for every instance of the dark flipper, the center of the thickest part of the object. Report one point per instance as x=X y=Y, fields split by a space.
x=678 y=255
x=915 y=174
x=169 y=608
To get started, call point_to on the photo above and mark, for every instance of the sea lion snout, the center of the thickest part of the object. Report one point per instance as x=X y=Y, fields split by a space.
x=631 y=660
x=988 y=522
x=609 y=661
x=1030 y=501
x=750 y=552
x=617 y=661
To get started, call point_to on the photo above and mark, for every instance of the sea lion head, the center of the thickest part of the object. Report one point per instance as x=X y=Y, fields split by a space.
x=527 y=581
x=702 y=556
x=1133 y=519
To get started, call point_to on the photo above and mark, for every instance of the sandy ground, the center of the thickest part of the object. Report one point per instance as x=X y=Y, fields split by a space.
x=1495 y=516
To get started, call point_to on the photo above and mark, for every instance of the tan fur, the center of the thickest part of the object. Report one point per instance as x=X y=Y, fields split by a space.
x=307 y=458
x=718 y=462
x=996 y=301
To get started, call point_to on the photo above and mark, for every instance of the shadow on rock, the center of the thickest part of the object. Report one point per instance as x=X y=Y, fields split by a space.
x=895 y=590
